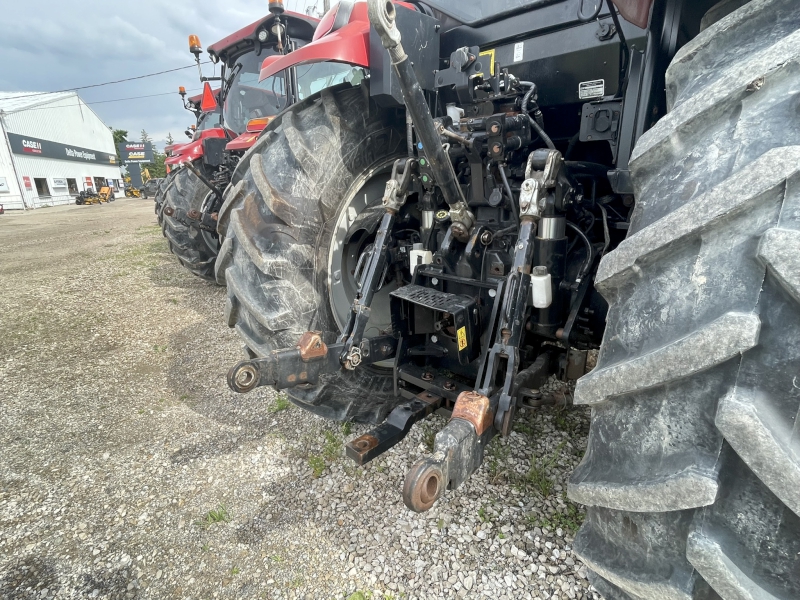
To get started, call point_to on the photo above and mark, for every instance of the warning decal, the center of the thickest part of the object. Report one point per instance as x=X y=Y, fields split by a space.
x=462 y=338
x=591 y=89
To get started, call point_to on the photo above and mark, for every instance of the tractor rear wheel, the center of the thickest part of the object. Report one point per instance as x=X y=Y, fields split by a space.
x=692 y=472
x=195 y=248
x=292 y=239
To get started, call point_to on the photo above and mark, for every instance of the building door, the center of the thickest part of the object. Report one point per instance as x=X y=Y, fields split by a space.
x=72 y=186
x=99 y=183
x=42 y=188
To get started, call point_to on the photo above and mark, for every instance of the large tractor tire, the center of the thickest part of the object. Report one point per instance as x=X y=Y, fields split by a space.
x=159 y=197
x=286 y=257
x=195 y=248
x=692 y=472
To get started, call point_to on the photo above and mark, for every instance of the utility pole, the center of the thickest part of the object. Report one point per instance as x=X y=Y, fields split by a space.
x=326 y=6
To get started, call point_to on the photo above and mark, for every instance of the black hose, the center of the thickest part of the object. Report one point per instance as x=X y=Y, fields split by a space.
x=573 y=142
x=590 y=249
x=625 y=55
x=514 y=211
x=545 y=138
x=586 y=168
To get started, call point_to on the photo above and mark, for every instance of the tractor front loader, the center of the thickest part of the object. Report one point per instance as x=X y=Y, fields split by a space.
x=513 y=185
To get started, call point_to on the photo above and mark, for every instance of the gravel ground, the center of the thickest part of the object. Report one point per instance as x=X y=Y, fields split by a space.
x=130 y=471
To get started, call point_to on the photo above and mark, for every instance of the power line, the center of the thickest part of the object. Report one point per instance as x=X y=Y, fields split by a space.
x=97 y=102
x=84 y=87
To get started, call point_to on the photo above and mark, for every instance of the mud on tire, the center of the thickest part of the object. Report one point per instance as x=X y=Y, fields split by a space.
x=195 y=249
x=278 y=223
x=692 y=473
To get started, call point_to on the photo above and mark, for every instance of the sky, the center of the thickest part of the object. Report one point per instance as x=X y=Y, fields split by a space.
x=51 y=45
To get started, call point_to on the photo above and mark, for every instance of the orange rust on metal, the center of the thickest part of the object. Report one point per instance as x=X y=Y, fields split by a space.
x=193 y=214
x=428 y=398
x=304 y=375
x=311 y=345
x=291 y=378
x=475 y=408
x=365 y=443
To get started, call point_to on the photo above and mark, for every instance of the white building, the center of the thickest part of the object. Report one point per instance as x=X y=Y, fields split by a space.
x=52 y=146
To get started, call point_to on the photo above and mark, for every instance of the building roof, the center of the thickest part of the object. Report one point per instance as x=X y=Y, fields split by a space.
x=16 y=101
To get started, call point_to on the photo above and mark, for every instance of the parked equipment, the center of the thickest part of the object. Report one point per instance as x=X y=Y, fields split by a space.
x=106 y=194
x=202 y=168
x=516 y=184
x=132 y=192
x=88 y=196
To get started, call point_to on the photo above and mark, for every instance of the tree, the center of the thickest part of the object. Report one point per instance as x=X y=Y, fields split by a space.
x=145 y=136
x=170 y=139
x=120 y=135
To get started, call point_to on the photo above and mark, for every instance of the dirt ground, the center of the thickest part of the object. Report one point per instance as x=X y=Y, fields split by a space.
x=128 y=470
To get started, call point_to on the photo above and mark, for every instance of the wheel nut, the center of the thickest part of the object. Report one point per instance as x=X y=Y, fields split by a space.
x=449 y=386
x=427 y=376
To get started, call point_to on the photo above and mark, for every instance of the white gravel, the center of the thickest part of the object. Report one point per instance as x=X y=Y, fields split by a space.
x=119 y=437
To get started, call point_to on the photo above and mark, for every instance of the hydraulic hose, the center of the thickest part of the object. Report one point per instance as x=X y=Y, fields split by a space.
x=535 y=125
x=514 y=211
x=589 y=257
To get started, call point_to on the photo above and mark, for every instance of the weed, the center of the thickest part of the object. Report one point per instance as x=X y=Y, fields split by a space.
x=347 y=428
x=333 y=447
x=205 y=547
x=428 y=435
x=380 y=468
x=560 y=420
x=296 y=582
x=359 y=596
x=158 y=348
x=498 y=453
x=440 y=524
x=317 y=466
x=217 y=515
x=482 y=514
x=235 y=570
x=501 y=535
x=173 y=300
x=537 y=473
x=524 y=428
x=281 y=403
x=570 y=519
x=184 y=397
x=276 y=558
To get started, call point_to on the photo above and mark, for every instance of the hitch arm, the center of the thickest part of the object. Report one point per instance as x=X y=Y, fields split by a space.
x=303 y=364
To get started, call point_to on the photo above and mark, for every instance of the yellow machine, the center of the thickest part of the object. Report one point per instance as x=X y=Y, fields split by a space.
x=106 y=194
x=132 y=192
x=88 y=196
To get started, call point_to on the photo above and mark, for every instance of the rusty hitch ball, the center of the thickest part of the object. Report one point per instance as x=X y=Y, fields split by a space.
x=242 y=377
x=424 y=485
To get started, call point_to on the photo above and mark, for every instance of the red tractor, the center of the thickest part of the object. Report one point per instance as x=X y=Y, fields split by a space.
x=229 y=124
x=519 y=183
x=174 y=151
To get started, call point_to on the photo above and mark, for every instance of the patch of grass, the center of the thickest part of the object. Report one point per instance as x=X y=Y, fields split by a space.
x=205 y=547
x=281 y=403
x=173 y=300
x=501 y=535
x=296 y=582
x=157 y=348
x=428 y=435
x=317 y=465
x=498 y=453
x=214 y=516
x=235 y=570
x=333 y=447
x=570 y=519
x=537 y=473
x=276 y=558
x=560 y=420
x=347 y=428
x=440 y=524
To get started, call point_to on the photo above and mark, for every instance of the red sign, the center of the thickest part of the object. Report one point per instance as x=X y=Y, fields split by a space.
x=89 y=182
x=27 y=182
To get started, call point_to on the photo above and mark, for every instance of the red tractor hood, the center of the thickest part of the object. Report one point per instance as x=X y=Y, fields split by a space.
x=194 y=149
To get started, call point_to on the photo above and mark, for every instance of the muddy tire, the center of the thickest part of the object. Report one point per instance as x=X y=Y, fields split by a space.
x=279 y=223
x=692 y=472
x=195 y=249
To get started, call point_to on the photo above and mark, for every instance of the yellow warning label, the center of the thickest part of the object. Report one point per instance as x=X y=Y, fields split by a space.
x=489 y=54
x=462 y=338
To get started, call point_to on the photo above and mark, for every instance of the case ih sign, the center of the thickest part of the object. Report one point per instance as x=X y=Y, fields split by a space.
x=135 y=152
x=31 y=146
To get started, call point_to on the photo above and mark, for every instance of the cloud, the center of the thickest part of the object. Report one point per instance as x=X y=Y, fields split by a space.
x=51 y=45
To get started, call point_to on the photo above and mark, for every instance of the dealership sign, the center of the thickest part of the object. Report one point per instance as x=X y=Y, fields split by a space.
x=31 y=146
x=135 y=152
